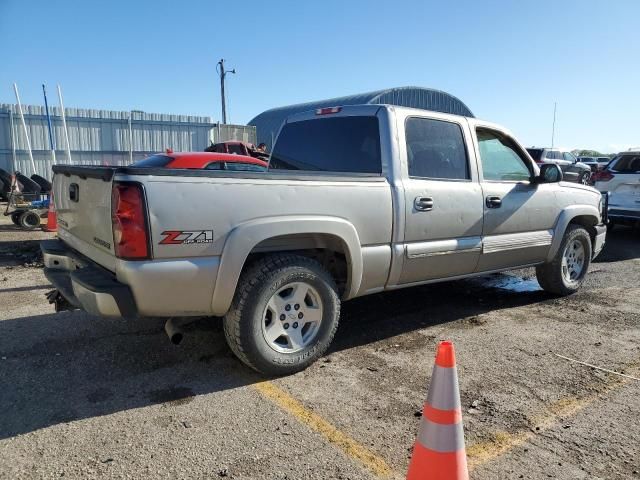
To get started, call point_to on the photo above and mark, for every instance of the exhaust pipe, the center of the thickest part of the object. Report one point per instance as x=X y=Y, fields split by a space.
x=174 y=332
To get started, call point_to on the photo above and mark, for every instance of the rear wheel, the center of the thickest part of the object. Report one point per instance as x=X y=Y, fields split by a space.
x=29 y=220
x=565 y=274
x=585 y=178
x=284 y=314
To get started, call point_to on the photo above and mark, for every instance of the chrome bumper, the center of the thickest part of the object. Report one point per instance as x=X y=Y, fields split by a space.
x=601 y=235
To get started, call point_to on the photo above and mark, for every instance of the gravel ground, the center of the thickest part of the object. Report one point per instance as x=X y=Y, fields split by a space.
x=87 y=397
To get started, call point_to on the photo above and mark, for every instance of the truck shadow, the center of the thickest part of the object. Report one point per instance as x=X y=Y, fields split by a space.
x=622 y=244
x=378 y=317
x=58 y=368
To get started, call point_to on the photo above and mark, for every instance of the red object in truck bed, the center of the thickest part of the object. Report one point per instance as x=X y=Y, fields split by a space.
x=202 y=159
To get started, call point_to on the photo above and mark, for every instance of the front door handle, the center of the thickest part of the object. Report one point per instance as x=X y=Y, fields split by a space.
x=493 y=201
x=424 y=204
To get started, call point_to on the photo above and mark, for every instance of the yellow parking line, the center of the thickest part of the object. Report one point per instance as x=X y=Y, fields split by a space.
x=483 y=452
x=348 y=445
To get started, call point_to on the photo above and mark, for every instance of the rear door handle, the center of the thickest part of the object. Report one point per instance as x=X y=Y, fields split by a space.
x=424 y=204
x=493 y=201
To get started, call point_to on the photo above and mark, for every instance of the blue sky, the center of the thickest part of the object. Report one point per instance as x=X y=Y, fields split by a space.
x=507 y=60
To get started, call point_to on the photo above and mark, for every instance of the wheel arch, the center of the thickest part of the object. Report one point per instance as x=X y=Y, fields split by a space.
x=584 y=215
x=286 y=234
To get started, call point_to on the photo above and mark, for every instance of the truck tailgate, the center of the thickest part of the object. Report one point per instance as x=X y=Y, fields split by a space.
x=82 y=197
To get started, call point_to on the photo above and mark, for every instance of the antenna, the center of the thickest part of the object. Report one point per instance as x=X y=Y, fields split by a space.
x=553 y=128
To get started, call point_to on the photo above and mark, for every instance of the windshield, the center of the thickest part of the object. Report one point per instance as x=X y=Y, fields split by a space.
x=153 y=161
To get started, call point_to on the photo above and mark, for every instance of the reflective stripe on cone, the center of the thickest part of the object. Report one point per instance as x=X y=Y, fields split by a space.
x=439 y=453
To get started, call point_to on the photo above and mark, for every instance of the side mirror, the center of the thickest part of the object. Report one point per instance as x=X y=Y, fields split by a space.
x=549 y=173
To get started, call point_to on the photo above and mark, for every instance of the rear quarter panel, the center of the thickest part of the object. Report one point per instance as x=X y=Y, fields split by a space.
x=220 y=204
x=214 y=210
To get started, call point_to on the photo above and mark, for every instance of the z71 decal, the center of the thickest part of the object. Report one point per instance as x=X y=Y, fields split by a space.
x=186 y=237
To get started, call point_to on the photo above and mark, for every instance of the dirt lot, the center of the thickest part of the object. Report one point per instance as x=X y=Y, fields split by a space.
x=85 y=397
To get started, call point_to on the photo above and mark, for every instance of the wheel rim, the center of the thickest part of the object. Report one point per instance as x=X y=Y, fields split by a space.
x=30 y=220
x=573 y=260
x=291 y=320
x=585 y=179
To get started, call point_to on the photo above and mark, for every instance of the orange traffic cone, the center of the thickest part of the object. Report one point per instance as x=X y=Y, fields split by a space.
x=439 y=453
x=52 y=218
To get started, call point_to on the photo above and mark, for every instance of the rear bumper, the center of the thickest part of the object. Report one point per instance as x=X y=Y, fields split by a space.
x=601 y=236
x=85 y=284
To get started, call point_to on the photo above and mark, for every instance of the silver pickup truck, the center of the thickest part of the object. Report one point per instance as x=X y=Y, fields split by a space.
x=357 y=200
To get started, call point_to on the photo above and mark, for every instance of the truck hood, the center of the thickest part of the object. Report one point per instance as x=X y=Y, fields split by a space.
x=579 y=186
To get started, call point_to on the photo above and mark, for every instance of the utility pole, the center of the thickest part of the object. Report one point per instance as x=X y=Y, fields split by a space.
x=223 y=74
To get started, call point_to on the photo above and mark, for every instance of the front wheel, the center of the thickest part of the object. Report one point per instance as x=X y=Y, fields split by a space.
x=566 y=272
x=284 y=314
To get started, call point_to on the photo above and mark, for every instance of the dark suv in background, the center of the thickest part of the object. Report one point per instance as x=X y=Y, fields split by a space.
x=572 y=169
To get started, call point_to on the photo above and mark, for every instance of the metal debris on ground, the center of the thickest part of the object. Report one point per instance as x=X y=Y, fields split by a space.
x=597 y=368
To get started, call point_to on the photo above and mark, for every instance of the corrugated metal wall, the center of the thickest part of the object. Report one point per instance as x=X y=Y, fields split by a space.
x=104 y=137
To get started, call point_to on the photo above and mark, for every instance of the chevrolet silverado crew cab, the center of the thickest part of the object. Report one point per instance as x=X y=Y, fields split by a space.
x=357 y=200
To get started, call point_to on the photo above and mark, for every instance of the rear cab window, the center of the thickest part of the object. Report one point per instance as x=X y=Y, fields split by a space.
x=157 y=161
x=339 y=144
x=244 y=167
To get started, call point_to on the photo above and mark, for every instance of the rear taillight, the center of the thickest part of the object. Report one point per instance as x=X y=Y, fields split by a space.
x=130 y=236
x=603 y=176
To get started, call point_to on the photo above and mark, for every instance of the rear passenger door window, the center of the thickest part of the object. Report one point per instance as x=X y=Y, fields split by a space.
x=436 y=150
x=501 y=159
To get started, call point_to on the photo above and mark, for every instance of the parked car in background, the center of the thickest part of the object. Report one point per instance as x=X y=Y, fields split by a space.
x=621 y=178
x=591 y=161
x=596 y=163
x=364 y=198
x=572 y=169
x=203 y=160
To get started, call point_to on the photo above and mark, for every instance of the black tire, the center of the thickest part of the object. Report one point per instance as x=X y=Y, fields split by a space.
x=243 y=324
x=15 y=217
x=6 y=180
x=29 y=220
x=28 y=185
x=550 y=275
x=45 y=185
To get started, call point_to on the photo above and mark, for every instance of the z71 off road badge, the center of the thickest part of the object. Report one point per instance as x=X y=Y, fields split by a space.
x=186 y=237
